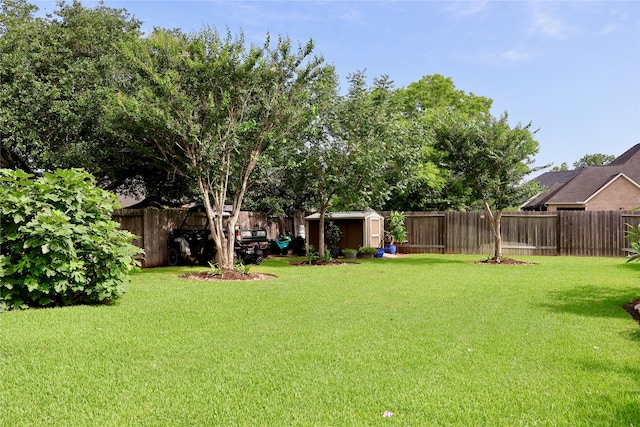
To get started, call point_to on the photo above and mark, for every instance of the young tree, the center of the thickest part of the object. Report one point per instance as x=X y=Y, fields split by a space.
x=356 y=148
x=210 y=107
x=491 y=158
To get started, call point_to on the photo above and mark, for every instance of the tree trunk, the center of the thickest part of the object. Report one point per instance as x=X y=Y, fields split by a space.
x=215 y=216
x=497 y=236
x=230 y=248
x=323 y=213
x=495 y=219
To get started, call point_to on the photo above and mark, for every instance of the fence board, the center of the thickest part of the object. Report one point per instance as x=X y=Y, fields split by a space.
x=577 y=233
x=425 y=233
x=131 y=220
x=528 y=234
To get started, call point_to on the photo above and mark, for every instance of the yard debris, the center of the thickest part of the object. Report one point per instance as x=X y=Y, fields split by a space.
x=387 y=414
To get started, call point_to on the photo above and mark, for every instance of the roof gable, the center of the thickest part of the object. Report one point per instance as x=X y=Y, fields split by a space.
x=584 y=185
x=614 y=179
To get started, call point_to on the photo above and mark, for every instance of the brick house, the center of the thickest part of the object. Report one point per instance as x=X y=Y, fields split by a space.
x=615 y=186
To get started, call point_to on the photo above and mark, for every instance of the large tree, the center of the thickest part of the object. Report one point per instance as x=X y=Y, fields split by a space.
x=211 y=106
x=437 y=93
x=433 y=187
x=491 y=159
x=57 y=74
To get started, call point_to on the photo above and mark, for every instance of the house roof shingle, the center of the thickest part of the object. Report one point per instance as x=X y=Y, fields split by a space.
x=577 y=186
x=630 y=156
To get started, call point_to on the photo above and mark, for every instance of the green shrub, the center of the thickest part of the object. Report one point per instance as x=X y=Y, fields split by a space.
x=332 y=233
x=214 y=270
x=367 y=250
x=242 y=267
x=633 y=236
x=396 y=231
x=58 y=243
x=327 y=256
x=312 y=255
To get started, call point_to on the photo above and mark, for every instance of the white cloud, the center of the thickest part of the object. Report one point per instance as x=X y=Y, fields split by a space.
x=515 y=55
x=510 y=56
x=545 y=22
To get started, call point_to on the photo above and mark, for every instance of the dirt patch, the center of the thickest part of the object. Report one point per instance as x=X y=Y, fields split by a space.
x=320 y=262
x=229 y=275
x=633 y=308
x=504 y=261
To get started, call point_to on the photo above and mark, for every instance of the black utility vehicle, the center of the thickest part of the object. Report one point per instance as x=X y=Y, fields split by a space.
x=192 y=243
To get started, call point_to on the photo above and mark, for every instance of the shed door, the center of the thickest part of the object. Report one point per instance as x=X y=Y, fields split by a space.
x=376 y=228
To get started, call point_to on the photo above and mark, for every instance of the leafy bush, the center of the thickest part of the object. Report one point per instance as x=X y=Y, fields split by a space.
x=59 y=245
x=242 y=267
x=312 y=255
x=214 y=270
x=396 y=231
x=332 y=233
x=327 y=256
x=367 y=250
x=633 y=236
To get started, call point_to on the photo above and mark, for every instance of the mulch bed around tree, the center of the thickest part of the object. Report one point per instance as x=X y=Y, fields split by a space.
x=320 y=262
x=633 y=308
x=229 y=275
x=504 y=261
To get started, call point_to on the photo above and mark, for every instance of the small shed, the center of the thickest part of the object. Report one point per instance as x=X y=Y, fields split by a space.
x=359 y=228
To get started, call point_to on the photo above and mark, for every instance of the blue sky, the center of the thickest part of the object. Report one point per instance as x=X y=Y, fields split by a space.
x=570 y=68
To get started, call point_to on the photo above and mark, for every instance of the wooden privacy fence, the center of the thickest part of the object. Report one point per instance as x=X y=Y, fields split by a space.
x=578 y=233
x=153 y=227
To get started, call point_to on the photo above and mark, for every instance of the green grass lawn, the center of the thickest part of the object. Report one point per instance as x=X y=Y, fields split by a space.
x=435 y=339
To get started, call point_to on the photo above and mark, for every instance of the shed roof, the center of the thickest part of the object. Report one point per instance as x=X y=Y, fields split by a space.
x=346 y=215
